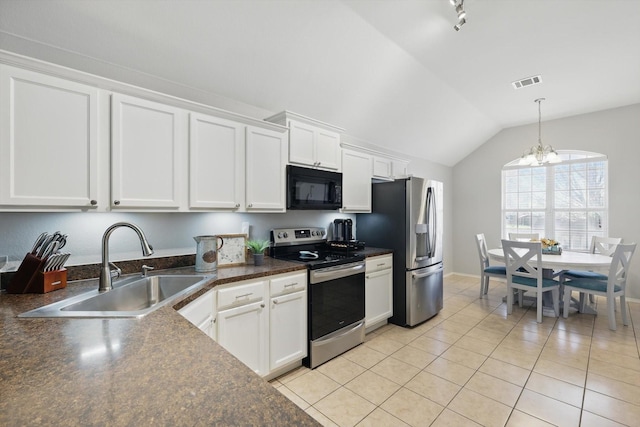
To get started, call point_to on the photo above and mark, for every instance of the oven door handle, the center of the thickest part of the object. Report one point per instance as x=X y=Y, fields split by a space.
x=318 y=276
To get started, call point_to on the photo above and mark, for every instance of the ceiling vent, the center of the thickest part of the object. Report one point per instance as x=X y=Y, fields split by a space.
x=528 y=81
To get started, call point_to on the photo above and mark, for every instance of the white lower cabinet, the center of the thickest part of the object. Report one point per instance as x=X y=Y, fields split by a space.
x=261 y=322
x=287 y=321
x=201 y=313
x=378 y=291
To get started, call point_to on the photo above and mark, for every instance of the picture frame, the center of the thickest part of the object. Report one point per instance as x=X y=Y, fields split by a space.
x=233 y=250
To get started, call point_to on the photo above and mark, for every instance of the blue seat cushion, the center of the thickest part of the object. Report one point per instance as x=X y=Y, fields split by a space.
x=496 y=269
x=591 y=285
x=528 y=281
x=580 y=274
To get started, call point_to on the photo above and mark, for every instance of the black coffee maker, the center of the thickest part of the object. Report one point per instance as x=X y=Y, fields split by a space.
x=343 y=230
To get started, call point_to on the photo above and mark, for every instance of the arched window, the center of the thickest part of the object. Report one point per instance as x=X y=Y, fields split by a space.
x=566 y=201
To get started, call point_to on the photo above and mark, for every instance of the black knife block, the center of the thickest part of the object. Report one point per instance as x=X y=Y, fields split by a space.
x=29 y=277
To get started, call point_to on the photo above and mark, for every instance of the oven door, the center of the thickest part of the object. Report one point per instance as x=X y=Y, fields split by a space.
x=336 y=298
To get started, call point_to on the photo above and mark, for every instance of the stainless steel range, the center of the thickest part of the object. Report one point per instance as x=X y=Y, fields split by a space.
x=336 y=289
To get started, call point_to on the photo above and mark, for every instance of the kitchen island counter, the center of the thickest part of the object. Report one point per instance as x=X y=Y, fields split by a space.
x=157 y=370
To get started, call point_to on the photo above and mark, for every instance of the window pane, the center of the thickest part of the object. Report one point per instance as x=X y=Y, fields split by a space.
x=562 y=222
x=539 y=180
x=511 y=201
x=562 y=181
x=538 y=200
x=595 y=221
x=578 y=176
x=511 y=184
x=578 y=221
x=595 y=175
x=563 y=199
x=578 y=199
x=510 y=220
x=524 y=201
x=579 y=242
x=596 y=198
x=524 y=182
x=538 y=222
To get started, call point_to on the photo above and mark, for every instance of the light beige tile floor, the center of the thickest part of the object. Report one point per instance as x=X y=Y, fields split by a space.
x=473 y=364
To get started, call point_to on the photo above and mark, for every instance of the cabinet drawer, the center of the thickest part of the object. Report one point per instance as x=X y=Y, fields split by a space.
x=288 y=284
x=378 y=263
x=241 y=294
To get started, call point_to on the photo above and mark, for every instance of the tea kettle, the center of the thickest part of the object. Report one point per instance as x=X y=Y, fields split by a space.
x=207 y=253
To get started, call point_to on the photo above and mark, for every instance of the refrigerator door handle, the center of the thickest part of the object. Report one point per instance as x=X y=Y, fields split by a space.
x=428 y=273
x=431 y=223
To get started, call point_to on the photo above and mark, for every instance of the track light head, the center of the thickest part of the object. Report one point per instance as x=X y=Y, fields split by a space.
x=459 y=24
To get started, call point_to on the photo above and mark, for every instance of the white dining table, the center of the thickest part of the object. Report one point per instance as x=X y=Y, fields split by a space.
x=565 y=261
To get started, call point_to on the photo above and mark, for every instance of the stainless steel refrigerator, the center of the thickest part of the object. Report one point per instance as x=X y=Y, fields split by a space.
x=407 y=217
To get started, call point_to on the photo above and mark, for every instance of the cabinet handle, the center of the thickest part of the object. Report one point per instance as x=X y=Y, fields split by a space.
x=116 y=202
x=93 y=202
x=319 y=163
x=275 y=301
x=237 y=205
x=250 y=205
x=291 y=284
x=380 y=265
x=262 y=305
x=244 y=295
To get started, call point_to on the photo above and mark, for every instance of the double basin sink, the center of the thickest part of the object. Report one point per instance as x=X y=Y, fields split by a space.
x=131 y=297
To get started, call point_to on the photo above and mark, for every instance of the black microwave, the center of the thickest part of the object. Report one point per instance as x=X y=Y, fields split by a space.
x=313 y=189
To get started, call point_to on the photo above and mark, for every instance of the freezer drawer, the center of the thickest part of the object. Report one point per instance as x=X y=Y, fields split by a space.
x=424 y=293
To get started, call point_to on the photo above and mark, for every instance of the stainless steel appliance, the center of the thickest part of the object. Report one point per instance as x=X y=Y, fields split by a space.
x=336 y=290
x=313 y=189
x=407 y=217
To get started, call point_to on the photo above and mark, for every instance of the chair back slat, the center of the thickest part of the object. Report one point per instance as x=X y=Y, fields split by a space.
x=523 y=259
x=524 y=237
x=620 y=266
x=481 y=244
x=604 y=245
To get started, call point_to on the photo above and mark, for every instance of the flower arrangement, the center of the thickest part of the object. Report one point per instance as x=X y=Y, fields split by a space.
x=547 y=243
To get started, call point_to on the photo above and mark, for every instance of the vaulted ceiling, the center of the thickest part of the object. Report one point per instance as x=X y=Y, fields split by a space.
x=393 y=73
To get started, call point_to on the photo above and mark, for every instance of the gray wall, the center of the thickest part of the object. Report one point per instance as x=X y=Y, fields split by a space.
x=477 y=179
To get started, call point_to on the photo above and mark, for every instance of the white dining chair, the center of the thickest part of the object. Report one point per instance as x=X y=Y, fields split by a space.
x=524 y=237
x=524 y=273
x=614 y=286
x=487 y=271
x=599 y=245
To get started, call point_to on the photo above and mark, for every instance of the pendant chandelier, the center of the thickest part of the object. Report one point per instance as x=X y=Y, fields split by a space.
x=539 y=154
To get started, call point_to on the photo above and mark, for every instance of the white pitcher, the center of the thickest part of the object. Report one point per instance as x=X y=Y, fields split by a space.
x=207 y=253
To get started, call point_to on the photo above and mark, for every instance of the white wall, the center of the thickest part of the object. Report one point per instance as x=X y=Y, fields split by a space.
x=477 y=179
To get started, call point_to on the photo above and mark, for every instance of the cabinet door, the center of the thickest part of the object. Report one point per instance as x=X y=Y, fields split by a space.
x=287 y=329
x=400 y=169
x=266 y=157
x=201 y=313
x=328 y=150
x=216 y=162
x=382 y=168
x=243 y=331
x=48 y=140
x=301 y=143
x=356 y=181
x=378 y=296
x=146 y=160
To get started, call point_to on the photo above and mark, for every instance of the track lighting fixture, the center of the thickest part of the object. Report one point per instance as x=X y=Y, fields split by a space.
x=459 y=7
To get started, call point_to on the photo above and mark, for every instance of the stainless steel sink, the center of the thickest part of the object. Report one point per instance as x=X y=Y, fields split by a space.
x=132 y=297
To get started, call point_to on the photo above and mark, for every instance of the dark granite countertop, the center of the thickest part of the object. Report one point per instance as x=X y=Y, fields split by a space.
x=157 y=370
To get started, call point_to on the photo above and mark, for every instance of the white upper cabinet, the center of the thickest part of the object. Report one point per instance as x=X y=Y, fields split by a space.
x=311 y=142
x=216 y=163
x=48 y=141
x=146 y=156
x=356 y=181
x=266 y=159
x=382 y=168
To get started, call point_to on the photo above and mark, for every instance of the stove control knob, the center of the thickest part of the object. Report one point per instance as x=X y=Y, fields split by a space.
x=279 y=235
x=313 y=233
x=322 y=232
x=285 y=235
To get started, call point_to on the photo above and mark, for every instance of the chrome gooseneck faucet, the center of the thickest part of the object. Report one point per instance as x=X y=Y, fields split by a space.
x=106 y=273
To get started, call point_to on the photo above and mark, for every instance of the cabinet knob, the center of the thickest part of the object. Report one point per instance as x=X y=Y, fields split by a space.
x=93 y=202
x=250 y=205
x=237 y=205
x=275 y=301
x=116 y=202
x=262 y=305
